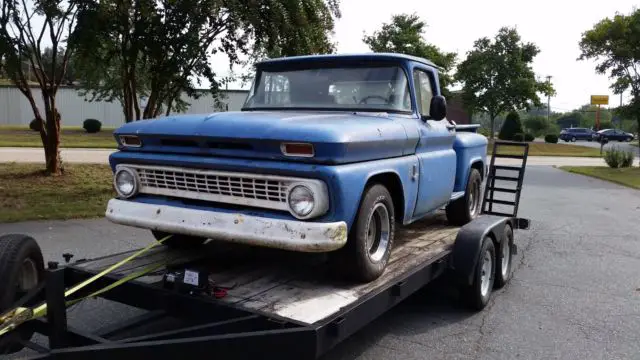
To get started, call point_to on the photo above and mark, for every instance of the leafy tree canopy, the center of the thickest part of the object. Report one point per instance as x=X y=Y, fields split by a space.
x=615 y=45
x=405 y=35
x=160 y=49
x=497 y=76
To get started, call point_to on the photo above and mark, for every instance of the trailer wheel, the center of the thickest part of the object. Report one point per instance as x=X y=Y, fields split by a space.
x=178 y=241
x=369 y=245
x=461 y=211
x=504 y=257
x=477 y=294
x=21 y=269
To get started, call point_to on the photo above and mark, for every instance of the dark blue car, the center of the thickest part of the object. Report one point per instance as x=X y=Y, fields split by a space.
x=574 y=134
x=613 y=135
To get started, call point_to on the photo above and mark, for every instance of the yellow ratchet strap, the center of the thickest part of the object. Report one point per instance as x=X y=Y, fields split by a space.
x=13 y=318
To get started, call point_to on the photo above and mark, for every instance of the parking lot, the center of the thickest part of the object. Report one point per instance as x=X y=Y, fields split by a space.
x=575 y=292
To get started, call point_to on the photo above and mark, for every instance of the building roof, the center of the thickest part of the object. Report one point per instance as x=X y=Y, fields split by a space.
x=358 y=56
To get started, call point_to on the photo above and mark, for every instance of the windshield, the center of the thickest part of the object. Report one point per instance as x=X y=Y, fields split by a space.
x=380 y=88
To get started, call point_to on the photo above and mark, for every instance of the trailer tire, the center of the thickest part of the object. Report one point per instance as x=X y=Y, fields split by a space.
x=478 y=293
x=366 y=254
x=21 y=269
x=463 y=210
x=504 y=258
x=178 y=241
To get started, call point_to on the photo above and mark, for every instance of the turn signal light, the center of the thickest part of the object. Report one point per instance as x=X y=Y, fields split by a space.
x=297 y=149
x=130 y=140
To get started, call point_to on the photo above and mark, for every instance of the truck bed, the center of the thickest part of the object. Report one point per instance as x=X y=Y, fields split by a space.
x=293 y=286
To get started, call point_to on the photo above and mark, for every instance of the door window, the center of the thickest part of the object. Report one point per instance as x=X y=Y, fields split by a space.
x=424 y=93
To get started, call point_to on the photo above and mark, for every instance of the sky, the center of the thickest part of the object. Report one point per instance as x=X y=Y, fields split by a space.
x=453 y=25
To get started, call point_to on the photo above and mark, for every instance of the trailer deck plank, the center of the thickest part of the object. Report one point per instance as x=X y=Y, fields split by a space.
x=295 y=286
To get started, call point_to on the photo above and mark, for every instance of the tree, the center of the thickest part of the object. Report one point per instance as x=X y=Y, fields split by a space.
x=405 y=35
x=148 y=48
x=497 y=76
x=512 y=126
x=22 y=40
x=615 y=45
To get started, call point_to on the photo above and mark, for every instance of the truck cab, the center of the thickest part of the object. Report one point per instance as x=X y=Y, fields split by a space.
x=330 y=153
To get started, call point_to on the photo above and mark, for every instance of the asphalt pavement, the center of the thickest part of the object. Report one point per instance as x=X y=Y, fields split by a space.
x=575 y=293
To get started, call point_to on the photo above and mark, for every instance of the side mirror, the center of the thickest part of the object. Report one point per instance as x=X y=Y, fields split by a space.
x=438 y=108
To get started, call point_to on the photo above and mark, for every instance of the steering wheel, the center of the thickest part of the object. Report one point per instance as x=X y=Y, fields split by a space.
x=363 y=100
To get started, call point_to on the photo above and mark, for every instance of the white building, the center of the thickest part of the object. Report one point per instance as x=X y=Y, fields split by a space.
x=74 y=109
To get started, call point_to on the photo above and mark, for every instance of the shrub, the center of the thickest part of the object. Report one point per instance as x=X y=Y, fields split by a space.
x=518 y=137
x=529 y=137
x=616 y=158
x=511 y=127
x=35 y=125
x=92 y=125
x=551 y=138
x=483 y=131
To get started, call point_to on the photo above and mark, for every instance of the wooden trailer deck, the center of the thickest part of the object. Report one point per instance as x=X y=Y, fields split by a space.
x=295 y=286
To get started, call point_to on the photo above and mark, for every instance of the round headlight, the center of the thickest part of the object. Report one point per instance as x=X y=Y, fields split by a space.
x=125 y=182
x=301 y=201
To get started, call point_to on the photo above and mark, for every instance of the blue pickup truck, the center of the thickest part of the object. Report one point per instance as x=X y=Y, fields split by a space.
x=330 y=153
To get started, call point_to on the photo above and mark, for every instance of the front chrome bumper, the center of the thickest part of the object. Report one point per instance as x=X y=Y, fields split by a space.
x=253 y=230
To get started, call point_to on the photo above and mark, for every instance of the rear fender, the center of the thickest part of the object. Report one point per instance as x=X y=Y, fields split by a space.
x=466 y=248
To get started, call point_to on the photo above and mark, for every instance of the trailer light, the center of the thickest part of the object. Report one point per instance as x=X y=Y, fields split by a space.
x=130 y=140
x=125 y=182
x=297 y=149
x=301 y=201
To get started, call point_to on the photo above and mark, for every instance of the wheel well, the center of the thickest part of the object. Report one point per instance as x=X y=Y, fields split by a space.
x=478 y=166
x=392 y=182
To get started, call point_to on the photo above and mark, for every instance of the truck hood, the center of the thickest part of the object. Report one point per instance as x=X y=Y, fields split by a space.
x=338 y=137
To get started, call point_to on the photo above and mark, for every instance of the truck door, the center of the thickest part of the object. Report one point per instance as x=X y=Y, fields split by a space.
x=435 y=149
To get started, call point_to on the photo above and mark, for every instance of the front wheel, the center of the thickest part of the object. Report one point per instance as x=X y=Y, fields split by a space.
x=21 y=270
x=467 y=208
x=477 y=294
x=366 y=254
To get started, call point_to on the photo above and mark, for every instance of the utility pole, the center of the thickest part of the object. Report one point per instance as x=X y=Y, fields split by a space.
x=549 y=101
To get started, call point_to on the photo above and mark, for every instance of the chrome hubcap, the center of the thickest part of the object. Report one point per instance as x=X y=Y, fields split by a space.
x=474 y=196
x=486 y=274
x=505 y=259
x=378 y=228
x=28 y=276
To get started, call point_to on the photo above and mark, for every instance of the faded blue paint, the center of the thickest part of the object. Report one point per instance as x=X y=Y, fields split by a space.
x=338 y=137
x=350 y=148
x=470 y=148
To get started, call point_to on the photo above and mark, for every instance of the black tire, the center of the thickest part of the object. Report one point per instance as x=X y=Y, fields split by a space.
x=178 y=241
x=475 y=295
x=573 y=139
x=459 y=211
x=15 y=251
x=503 y=269
x=356 y=259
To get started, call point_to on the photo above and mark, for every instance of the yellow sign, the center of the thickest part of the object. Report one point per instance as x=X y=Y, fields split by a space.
x=599 y=99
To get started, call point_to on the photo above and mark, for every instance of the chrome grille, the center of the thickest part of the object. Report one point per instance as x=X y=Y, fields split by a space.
x=234 y=188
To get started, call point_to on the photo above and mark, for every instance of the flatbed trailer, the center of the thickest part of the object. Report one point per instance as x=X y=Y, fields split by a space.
x=258 y=301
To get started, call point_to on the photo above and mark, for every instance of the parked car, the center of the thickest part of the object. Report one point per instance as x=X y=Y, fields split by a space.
x=329 y=154
x=574 y=134
x=613 y=135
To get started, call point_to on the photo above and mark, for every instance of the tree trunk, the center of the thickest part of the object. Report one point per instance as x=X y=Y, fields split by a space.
x=52 y=144
x=492 y=120
x=638 y=119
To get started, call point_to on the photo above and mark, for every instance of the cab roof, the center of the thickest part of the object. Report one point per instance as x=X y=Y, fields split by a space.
x=352 y=57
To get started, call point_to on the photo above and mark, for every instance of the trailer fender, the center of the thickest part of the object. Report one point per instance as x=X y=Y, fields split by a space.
x=466 y=247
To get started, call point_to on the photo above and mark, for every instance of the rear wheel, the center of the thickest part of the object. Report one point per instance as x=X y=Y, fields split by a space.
x=503 y=258
x=366 y=254
x=477 y=294
x=573 y=139
x=21 y=269
x=178 y=240
x=467 y=208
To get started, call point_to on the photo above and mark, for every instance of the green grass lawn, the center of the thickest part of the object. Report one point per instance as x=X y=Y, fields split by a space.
x=70 y=137
x=27 y=194
x=628 y=176
x=548 y=149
